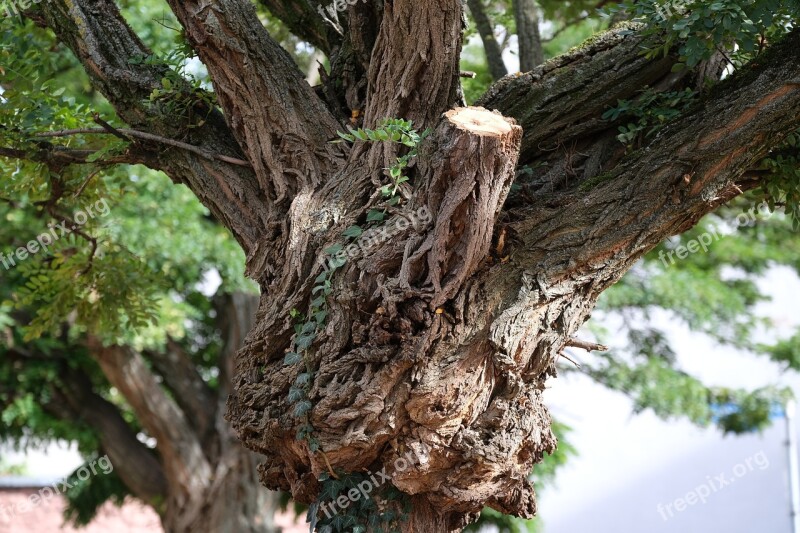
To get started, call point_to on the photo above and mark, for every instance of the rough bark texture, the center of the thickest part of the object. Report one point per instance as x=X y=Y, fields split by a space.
x=440 y=338
x=526 y=15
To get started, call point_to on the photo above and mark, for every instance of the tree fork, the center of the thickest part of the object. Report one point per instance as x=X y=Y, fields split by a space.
x=399 y=364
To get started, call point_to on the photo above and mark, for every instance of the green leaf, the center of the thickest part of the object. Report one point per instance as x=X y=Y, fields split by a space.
x=292 y=358
x=296 y=394
x=302 y=379
x=335 y=249
x=375 y=215
x=353 y=232
x=302 y=407
x=336 y=262
x=304 y=342
x=346 y=137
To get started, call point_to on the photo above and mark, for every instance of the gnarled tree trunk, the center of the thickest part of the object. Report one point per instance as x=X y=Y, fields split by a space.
x=439 y=340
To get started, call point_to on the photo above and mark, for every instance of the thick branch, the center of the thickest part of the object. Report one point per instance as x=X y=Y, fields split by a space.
x=303 y=19
x=687 y=170
x=107 y=47
x=576 y=243
x=136 y=465
x=414 y=71
x=468 y=174
x=494 y=55
x=564 y=99
x=180 y=448
x=279 y=121
x=190 y=391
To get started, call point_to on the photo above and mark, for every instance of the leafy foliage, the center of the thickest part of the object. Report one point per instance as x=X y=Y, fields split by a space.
x=85 y=496
x=381 y=510
x=782 y=186
x=649 y=113
x=396 y=131
x=738 y=29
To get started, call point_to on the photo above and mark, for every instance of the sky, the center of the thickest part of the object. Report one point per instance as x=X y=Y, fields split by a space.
x=629 y=464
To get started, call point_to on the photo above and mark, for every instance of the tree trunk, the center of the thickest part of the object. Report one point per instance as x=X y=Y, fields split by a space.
x=441 y=330
x=531 y=54
x=494 y=55
x=234 y=501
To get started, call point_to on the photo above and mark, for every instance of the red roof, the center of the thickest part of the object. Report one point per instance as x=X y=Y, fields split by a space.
x=17 y=515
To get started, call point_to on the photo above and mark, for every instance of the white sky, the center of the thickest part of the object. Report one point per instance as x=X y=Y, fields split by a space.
x=629 y=464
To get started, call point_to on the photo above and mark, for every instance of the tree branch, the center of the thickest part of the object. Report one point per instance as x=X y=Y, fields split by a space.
x=280 y=123
x=303 y=19
x=586 y=345
x=191 y=393
x=414 y=70
x=107 y=47
x=147 y=137
x=56 y=157
x=136 y=465
x=691 y=166
x=179 y=446
x=588 y=81
x=576 y=242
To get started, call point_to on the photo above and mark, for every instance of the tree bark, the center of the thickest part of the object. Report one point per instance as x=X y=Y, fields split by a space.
x=135 y=464
x=526 y=15
x=211 y=480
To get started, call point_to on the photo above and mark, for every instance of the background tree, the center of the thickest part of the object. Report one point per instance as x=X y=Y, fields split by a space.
x=154 y=401
x=439 y=340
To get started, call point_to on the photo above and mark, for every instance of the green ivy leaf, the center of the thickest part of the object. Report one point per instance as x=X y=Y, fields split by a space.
x=353 y=232
x=291 y=358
